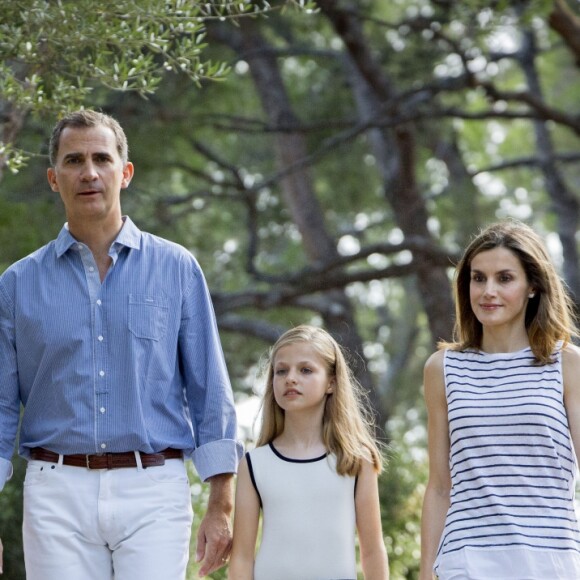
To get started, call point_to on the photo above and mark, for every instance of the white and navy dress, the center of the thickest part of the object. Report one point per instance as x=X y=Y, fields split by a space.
x=308 y=526
x=513 y=470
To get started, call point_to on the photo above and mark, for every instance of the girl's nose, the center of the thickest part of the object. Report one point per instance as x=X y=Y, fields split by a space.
x=291 y=377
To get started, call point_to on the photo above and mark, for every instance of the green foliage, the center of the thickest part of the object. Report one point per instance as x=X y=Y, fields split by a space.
x=401 y=490
x=53 y=54
x=23 y=229
x=14 y=159
x=11 y=522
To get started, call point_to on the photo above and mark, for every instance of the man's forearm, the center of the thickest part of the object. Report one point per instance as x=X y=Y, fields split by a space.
x=221 y=494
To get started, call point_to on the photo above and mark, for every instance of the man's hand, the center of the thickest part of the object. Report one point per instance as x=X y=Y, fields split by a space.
x=214 y=539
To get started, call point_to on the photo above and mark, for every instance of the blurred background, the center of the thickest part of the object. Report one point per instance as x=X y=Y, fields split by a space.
x=325 y=162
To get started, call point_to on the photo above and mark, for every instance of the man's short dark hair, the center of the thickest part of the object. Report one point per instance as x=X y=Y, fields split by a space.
x=85 y=118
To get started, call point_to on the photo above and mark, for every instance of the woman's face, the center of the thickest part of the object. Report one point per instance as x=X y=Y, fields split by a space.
x=499 y=288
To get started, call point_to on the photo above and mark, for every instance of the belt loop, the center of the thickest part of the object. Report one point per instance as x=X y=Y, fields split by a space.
x=60 y=459
x=138 y=460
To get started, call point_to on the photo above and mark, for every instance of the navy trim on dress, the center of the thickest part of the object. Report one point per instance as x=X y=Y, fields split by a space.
x=251 y=470
x=278 y=454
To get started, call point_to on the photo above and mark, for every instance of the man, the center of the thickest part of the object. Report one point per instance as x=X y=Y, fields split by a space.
x=109 y=341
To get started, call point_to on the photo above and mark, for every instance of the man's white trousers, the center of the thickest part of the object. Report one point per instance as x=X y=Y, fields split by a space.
x=121 y=524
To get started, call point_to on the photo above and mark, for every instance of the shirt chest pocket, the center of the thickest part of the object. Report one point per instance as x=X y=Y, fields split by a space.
x=148 y=316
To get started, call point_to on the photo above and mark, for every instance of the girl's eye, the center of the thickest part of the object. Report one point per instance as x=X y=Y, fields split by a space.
x=306 y=370
x=280 y=371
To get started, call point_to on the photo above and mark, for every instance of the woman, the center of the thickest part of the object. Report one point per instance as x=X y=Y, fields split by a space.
x=503 y=405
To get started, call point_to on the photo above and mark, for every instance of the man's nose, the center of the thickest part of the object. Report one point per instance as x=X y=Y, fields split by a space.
x=89 y=172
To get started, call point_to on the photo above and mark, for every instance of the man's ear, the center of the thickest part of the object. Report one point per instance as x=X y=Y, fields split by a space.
x=128 y=172
x=51 y=176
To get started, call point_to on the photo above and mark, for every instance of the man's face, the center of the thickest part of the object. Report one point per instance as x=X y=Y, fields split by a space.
x=89 y=174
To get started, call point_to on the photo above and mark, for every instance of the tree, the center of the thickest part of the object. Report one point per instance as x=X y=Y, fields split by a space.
x=53 y=54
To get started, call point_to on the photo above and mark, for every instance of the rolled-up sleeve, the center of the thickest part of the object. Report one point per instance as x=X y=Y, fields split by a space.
x=207 y=386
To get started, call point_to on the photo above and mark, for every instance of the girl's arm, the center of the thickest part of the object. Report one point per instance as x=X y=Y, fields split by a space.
x=246 y=519
x=571 y=378
x=373 y=554
x=436 y=500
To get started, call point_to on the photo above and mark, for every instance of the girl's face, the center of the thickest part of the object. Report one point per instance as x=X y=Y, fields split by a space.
x=301 y=380
x=499 y=289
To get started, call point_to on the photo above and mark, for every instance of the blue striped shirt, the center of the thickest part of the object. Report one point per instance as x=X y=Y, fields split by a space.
x=130 y=364
x=511 y=457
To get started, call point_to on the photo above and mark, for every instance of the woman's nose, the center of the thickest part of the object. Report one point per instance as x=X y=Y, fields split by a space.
x=490 y=288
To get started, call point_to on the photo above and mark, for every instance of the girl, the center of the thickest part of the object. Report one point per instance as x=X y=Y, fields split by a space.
x=313 y=473
x=503 y=406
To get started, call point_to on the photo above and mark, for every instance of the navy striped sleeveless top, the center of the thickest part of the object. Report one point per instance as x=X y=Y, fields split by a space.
x=511 y=458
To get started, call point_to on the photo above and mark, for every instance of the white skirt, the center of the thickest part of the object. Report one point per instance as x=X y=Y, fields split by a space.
x=508 y=564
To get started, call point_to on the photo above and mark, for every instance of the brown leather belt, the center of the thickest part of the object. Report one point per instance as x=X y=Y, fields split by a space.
x=107 y=460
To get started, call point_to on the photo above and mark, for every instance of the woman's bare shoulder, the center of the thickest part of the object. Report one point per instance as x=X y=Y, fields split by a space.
x=435 y=362
x=571 y=357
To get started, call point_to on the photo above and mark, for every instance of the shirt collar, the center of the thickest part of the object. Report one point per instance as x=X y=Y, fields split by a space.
x=129 y=236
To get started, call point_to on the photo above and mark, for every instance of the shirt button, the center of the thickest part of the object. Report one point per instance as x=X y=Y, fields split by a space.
x=103 y=445
x=99 y=302
x=79 y=247
x=102 y=409
x=100 y=338
x=91 y=269
x=101 y=373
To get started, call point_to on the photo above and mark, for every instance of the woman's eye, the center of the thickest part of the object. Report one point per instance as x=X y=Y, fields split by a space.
x=280 y=371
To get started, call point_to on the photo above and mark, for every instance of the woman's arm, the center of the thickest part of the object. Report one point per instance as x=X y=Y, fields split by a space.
x=373 y=554
x=246 y=520
x=436 y=500
x=571 y=378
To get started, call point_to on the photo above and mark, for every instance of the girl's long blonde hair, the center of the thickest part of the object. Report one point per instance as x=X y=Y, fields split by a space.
x=347 y=426
x=550 y=317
